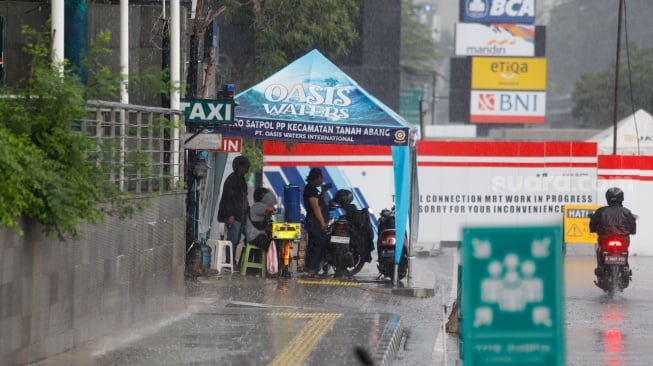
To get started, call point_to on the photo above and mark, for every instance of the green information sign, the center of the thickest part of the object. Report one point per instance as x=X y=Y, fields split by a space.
x=208 y=111
x=512 y=296
x=409 y=104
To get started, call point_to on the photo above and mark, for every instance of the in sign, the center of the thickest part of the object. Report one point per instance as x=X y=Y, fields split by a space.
x=232 y=144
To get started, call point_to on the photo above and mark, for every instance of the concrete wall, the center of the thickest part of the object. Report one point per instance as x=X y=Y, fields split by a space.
x=55 y=296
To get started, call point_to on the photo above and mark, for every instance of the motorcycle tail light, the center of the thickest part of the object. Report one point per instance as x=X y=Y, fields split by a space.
x=341 y=227
x=614 y=244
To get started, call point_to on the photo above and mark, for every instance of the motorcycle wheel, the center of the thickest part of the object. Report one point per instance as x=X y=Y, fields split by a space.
x=389 y=268
x=358 y=264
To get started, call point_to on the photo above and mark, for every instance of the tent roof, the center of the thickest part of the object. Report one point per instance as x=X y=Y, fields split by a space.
x=634 y=136
x=312 y=100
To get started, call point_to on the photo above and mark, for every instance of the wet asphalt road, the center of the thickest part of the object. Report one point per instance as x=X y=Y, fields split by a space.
x=235 y=320
x=602 y=330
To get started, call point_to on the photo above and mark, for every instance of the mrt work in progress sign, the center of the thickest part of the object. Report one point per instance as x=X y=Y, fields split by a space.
x=512 y=296
x=577 y=224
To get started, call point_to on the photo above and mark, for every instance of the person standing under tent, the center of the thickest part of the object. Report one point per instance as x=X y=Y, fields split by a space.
x=233 y=202
x=316 y=214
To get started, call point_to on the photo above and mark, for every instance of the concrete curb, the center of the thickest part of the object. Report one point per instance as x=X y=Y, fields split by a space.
x=392 y=349
x=420 y=292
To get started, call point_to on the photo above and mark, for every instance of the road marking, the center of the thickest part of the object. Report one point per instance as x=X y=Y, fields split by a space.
x=298 y=348
x=328 y=282
x=439 y=345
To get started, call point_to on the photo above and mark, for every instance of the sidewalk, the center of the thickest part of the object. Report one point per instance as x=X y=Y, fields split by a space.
x=245 y=320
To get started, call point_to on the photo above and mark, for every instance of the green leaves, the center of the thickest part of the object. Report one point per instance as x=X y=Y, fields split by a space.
x=52 y=172
x=418 y=48
x=274 y=33
x=594 y=93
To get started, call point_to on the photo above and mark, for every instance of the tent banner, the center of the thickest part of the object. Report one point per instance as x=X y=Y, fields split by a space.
x=312 y=101
x=296 y=131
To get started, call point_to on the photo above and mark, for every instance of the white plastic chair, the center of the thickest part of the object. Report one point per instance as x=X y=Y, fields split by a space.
x=218 y=260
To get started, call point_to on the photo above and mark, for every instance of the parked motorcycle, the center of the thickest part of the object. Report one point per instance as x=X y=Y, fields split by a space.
x=351 y=239
x=386 y=245
x=613 y=274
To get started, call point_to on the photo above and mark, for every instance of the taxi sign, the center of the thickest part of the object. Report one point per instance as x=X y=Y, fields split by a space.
x=512 y=296
x=576 y=222
x=208 y=111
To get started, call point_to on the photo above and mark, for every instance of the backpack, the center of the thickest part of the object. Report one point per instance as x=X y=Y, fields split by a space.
x=260 y=225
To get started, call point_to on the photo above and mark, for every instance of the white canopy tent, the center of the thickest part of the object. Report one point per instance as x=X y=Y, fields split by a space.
x=634 y=136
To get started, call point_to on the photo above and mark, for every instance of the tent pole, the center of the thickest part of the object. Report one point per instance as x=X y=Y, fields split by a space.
x=413 y=207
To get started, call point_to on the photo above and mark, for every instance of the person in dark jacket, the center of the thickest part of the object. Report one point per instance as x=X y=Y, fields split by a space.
x=316 y=225
x=613 y=220
x=233 y=202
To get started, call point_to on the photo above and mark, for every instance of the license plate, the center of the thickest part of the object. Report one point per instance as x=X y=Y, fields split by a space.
x=388 y=253
x=615 y=260
x=340 y=239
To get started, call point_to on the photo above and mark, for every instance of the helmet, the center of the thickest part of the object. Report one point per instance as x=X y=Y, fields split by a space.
x=614 y=195
x=240 y=161
x=343 y=196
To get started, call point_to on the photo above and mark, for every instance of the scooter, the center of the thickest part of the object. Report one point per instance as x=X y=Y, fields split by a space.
x=350 y=236
x=386 y=245
x=613 y=273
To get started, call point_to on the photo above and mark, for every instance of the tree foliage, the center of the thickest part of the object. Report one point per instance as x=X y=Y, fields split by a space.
x=593 y=93
x=418 y=48
x=581 y=37
x=51 y=171
x=265 y=36
x=271 y=34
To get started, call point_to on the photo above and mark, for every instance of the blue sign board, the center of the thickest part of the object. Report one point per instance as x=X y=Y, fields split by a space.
x=498 y=11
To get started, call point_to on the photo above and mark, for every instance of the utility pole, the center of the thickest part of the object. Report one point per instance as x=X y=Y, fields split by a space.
x=616 y=82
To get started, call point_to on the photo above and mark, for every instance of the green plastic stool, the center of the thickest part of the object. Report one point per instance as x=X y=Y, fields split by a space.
x=247 y=263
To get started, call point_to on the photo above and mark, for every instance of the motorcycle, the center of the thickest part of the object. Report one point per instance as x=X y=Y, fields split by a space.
x=386 y=243
x=613 y=274
x=350 y=236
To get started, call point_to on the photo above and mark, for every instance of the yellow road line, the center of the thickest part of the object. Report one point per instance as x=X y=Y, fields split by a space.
x=328 y=282
x=298 y=349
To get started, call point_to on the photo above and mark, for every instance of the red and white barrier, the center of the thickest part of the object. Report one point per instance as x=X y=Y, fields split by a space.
x=484 y=183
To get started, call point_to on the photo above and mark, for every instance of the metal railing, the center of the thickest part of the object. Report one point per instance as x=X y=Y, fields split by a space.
x=143 y=144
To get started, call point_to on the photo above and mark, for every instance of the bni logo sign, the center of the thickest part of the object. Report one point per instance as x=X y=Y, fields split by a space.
x=507 y=107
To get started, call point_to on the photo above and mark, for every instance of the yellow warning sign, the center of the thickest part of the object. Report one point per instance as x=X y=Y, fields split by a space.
x=576 y=223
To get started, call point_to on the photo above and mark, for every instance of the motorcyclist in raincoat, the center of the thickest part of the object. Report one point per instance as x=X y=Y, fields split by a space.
x=612 y=220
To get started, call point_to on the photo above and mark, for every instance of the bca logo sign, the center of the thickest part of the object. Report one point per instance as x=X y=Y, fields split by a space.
x=499 y=11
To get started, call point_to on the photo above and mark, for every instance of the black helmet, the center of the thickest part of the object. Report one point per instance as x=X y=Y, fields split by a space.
x=614 y=195
x=240 y=161
x=343 y=196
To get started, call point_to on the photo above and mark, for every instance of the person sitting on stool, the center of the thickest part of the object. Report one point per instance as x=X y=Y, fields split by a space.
x=257 y=224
